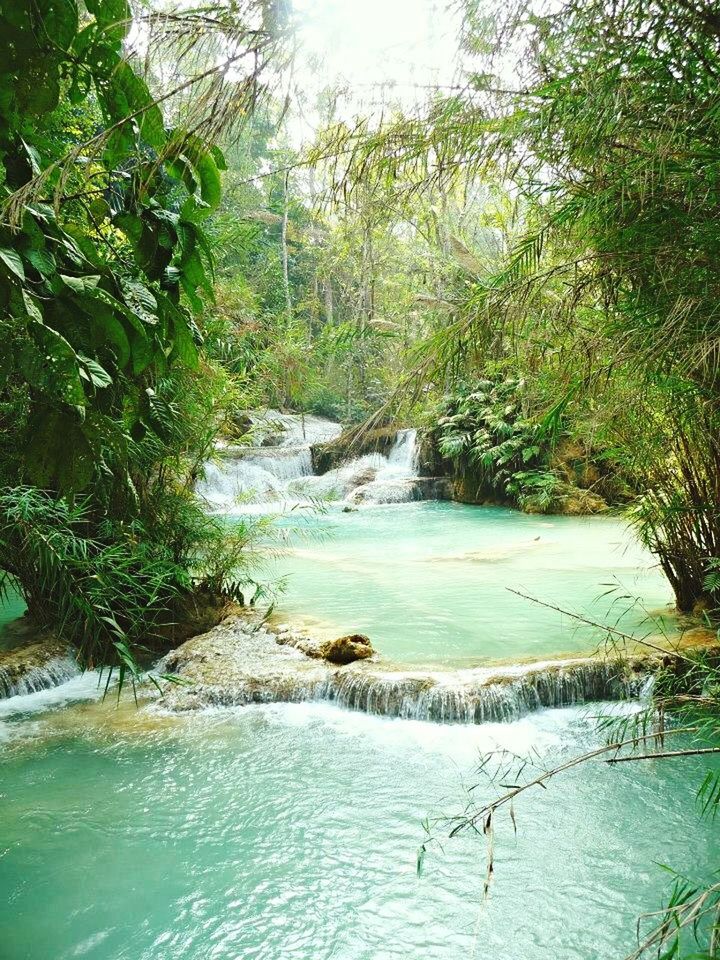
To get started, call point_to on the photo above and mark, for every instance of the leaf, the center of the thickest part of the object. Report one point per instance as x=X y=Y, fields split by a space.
x=51 y=365
x=207 y=174
x=42 y=260
x=219 y=157
x=131 y=225
x=112 y=333
x=183 y=343
x=80 y=284
x=140 y=300
x=183 y=333
x=38 y=86
x=114 y=16
x=31 y=307
x=57 y=453
x=12 y=261
x=60 y=21
x=125 y=96
x=97 y=374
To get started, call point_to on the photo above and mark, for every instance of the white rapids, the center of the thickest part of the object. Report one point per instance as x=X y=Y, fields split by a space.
x=276 y=472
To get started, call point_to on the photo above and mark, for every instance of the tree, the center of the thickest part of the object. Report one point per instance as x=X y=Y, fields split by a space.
x=105 y=271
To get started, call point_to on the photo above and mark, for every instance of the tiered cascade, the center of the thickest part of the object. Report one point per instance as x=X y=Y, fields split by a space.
x=277 y=469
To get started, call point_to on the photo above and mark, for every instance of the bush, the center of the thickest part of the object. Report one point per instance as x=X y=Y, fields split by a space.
x=486 y=434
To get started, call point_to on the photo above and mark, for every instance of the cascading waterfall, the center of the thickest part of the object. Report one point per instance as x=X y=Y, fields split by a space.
x=482 y=702
x=16 y=682
x=421 y=698
x=279 y=468
x=393 y=480
x=263 y=473
x=256 y=670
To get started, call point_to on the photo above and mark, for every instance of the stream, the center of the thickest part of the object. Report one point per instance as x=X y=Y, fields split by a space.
x=291 y=830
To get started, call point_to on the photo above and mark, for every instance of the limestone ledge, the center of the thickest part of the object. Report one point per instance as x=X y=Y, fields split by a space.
x=39 y=665
x=243 y=661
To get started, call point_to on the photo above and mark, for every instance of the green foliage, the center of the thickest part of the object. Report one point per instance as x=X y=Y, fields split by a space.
x=92 y=286
x=106 y=587
x=108 y=402
x=484 y=431
x=711 y=582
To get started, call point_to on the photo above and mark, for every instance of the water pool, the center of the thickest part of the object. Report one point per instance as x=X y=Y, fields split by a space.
x=292 y=831
x=12 y=609
x=428 y=582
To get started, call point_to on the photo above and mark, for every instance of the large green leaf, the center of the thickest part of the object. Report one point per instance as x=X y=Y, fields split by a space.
x=57 y=452
x=183 y=335
x=127 y=95
x=50 y=365
x=140 y=300
x=60 y=20
x=11 y=259
x=114 y=17
x=109 y=332
x=207 y=174
x=142 y=347
x=42 y=260
x=94 y=372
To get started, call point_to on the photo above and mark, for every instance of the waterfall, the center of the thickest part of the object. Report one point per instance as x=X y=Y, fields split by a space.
x=422 y=698
x=394 y=479
x=233 y=666
x=17 y=680
x=265 y=473
x=278 y=469
x=404 y=454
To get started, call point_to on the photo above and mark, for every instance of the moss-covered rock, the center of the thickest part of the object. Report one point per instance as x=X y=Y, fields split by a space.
x=581 y=466
x=570 y=501
x=355 y=646
x=40 y=665
x=351 y=444
x=195 y=613
x=431 y=463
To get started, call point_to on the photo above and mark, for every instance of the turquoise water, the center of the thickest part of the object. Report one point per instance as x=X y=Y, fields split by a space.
x=292 y=831
x=11 y=609
x=428 y=582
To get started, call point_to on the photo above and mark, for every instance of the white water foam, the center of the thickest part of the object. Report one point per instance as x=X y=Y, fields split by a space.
x=280 y=474
x=53 y=672
x=19 y=714
x=84 y=686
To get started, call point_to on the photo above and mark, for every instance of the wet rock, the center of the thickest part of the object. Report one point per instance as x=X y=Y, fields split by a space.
x=580 y=503
x=193 y=614
x=432 y=488
x=355 y=646
x=243 y=661
x=431 y=462
x=352 y=444
x=37 y=666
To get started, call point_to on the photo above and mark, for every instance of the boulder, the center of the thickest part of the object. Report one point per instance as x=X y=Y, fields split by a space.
x=350 y=445
x=580 y=503
x=347 y=649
